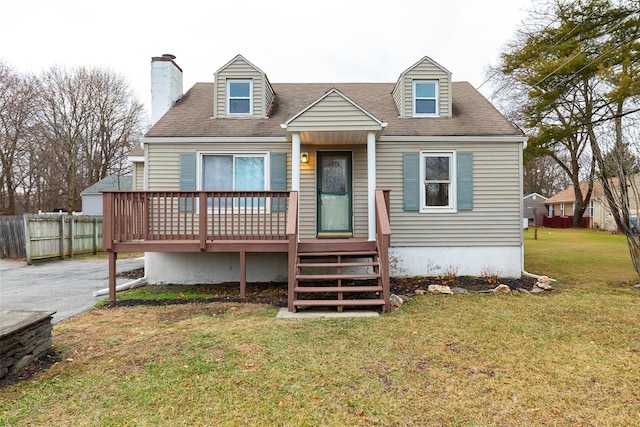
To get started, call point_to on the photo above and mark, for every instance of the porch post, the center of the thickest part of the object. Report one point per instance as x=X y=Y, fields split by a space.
x=295 y=161
x=371 y=180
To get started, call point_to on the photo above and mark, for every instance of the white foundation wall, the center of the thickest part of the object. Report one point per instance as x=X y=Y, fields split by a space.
x=458 y=261
x=209 y=268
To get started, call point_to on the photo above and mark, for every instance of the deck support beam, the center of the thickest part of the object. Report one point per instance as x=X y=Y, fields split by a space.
x=243 y=274
x=113 y=256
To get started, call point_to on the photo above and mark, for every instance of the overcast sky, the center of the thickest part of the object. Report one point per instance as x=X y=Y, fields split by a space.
x=291 y=41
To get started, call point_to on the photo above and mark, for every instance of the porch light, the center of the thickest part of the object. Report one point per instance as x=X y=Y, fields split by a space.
x=304 y=157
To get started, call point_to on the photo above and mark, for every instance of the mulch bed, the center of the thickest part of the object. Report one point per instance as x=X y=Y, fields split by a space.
x=276 y=293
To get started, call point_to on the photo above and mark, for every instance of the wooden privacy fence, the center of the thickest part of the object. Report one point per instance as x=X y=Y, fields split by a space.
x=12 y=237
x=61 y=236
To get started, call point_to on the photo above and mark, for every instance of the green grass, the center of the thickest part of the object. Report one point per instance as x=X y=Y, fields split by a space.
x=570 y=357
x=579 y=256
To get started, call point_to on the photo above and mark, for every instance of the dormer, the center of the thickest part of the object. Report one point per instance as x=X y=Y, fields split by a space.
x=241 y=90
x=424 y=90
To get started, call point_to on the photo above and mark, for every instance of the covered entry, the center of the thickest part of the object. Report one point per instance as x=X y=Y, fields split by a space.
x=338 y=138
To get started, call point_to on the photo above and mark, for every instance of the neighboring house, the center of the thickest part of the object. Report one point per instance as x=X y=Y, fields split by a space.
x=560 y=208
x=534 y=209
x=92 y=195
x=311 y=160
x=597 y=215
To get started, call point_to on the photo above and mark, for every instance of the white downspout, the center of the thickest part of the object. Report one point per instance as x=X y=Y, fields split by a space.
x=129 y=285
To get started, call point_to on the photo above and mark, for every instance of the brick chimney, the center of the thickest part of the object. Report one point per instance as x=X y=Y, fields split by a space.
x=166 y=85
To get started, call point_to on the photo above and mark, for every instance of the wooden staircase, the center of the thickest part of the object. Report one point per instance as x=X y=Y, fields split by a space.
x=338 y=273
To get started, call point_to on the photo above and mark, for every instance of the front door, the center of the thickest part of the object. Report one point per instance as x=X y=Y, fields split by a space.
x=334 y=208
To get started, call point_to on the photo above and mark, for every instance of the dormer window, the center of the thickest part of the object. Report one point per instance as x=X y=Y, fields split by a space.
x=239 y=99
x=425 y=98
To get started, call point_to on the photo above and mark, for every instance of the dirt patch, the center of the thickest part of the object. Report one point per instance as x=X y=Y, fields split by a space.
x=45 y=361
x=276 y=293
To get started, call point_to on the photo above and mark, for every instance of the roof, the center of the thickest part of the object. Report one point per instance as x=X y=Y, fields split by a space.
x=110 y=183
x=568 y=194
x=534 y=194
x=472 y=115
x=136 y=151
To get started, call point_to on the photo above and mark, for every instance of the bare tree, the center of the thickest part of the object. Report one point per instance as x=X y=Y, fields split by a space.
x=90 y=119
x=18 y=103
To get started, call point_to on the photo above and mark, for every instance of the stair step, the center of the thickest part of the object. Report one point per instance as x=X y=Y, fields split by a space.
x=319 y=289
x=337 y=302
x=348 y=254
x=336 y=276
x=339 y=264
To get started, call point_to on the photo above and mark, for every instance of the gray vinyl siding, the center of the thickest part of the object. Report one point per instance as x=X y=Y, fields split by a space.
x=403 y=91
x=495 y=218
x=92 y=204
x=164 y=159
x=308 y=189
x=333 y=113
x=263 y=93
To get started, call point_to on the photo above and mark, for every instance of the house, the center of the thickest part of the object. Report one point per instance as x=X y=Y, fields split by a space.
x=597 y=215
x=533 y=209
x=92 y=195
x=350 y=183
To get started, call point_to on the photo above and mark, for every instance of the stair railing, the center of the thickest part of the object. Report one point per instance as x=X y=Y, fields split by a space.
x=383 y=238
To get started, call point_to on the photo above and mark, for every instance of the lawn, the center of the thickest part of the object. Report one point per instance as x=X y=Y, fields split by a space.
x=570 y=357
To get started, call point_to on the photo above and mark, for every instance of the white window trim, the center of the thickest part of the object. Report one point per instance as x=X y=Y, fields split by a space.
x=561 y=209
x=591 y=209
x=267 y=175
x=414 y=97
x=229 y=81
x=452 y=208
x=551 y=210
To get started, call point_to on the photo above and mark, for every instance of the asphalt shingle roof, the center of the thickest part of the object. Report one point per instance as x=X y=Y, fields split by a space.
x=111 y=183
x=472 y=115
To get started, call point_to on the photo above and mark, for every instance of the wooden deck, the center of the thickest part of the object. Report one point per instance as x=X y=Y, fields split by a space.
x=241 y=222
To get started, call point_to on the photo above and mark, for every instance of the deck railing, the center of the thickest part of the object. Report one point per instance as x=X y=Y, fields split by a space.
x=131 y=216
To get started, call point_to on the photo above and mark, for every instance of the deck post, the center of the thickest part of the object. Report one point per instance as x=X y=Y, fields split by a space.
x=113 y=256
x=292 y=237
x=202 y=221
x=243 y=274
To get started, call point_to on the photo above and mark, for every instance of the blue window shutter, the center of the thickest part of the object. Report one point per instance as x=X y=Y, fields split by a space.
x=187 y=179
x=411 y=181
x=465 y=180
x=278 y=178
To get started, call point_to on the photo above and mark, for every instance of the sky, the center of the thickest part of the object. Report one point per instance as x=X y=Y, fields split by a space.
x=290 y=40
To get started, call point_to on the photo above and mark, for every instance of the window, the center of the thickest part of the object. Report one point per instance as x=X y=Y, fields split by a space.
x=561 y=209
x=591 y=209
x=551 y=210
x=239 y=100
x=425 y=98
x=437 y=174
x=235 y=172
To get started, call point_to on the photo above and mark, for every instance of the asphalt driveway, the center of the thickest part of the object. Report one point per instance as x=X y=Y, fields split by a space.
x=65 y=287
